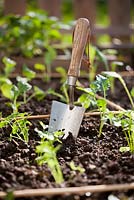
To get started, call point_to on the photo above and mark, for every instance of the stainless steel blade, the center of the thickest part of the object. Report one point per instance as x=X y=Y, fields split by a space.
x=62 y=118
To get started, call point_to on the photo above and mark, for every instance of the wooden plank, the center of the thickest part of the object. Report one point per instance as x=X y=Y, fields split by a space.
x=113 y=31
x=14 y=7
x=123 y=46
x=53 y=7
x=87 y=9
x=70 y=190
x=101 y=30
x=119 y=12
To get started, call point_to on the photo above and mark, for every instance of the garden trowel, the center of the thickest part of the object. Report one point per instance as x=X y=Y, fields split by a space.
x=67 y=117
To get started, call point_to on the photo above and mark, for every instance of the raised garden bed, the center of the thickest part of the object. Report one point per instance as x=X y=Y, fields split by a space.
x=37 y=164
x=100 y=157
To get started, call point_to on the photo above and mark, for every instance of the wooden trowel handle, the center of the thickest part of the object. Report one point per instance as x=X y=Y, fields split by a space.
x=81 y=34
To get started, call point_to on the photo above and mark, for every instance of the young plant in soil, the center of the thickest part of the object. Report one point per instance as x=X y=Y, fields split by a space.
x=9 y=66
x=123 y=120
x=116 y=75
x=17 y=121
x=126 y=118
x=99 y=56
x=47 y=150
x=19 y=126
x=88 y=99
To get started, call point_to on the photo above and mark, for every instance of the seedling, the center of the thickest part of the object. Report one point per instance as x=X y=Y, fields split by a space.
x=96 y=55
x=62 y=73
x=114 y=66
x=76 y=168
x=5 y=83
x=116 y=75
x=16 y=91
x=47 y=150
x=101 y=84
x=63 y=96
x=127 y=124
x=28 y=73
x=49 y=56
x=19 y=126
x=38 y=94
x=9 y=66
x=125 y=120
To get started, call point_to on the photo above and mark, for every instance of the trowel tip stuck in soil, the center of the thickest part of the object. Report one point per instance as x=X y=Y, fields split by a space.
x=67 y=117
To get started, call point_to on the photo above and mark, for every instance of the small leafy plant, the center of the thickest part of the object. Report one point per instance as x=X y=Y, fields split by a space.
x=13 y=92
x=29 y=34
x=125 y=120
x=9 y=66
x=47 y=151
x=88 y=99
x=16 y=121
x=118 y=76
x=19 y=126
x=96 y=55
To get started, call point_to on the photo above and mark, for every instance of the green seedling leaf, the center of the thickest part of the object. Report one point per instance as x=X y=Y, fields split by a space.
x=76 y=168
x=4 y=80
x=101 y=103
x=9 y=65
x=28 y=73
x=55 y=34
x=92 y=51
x=44 y=133
x=47 y=150
x=7 y=90
x=20 y=129
x=110 y=51
x=124 y=149
x=64 y=90
x=116 y=75
x=132 y=92
x=40 y=67
x=102 y=58
x=116 y=122
x=52 y=92
x=112 y=74
x=23 y=85
x=45 y=147
x=87 y=90
x=58 y=134
x=85 y=100
x=100 y=84
x=3 y=123
x=50 y=55
x=63 y=73
x=15 y=91
x=19 y=126
x=117 y=63
x=38 y=93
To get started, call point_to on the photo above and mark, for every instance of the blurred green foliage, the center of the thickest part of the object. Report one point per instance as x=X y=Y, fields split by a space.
x=30 y=34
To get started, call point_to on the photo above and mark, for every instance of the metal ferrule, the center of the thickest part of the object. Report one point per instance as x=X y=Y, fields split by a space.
x=71 y=80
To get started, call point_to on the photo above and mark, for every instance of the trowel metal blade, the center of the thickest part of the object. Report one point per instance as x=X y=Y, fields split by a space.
x=62 y=118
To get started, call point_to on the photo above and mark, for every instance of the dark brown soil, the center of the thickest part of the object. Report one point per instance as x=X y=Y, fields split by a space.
x=100 y=157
